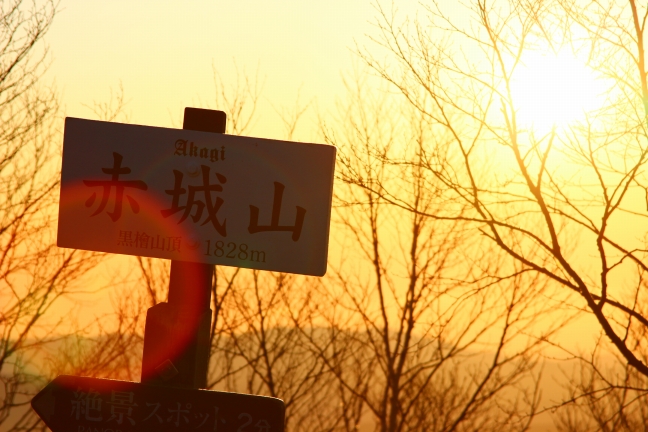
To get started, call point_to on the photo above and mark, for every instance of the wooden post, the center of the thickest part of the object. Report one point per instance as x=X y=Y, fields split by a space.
x=176 y=336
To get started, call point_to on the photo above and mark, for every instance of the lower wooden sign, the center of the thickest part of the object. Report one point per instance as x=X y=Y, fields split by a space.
x=81 y=404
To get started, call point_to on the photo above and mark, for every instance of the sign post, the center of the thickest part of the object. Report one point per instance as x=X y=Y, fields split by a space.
x=177 y=333
x=81 y=404
x=196 y=196
x=199 y=198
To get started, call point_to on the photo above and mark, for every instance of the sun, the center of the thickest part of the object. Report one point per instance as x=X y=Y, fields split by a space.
x=554 y=91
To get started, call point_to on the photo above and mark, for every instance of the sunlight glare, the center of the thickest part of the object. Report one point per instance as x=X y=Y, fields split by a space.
x=553 y=91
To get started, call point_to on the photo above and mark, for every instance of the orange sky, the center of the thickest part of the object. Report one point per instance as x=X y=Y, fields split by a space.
x=162 y=52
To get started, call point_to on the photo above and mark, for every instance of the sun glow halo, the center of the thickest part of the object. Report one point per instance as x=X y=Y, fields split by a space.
x=554 y=90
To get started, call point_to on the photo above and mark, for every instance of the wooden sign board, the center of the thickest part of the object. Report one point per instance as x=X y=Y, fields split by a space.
x=80 y=404
x=196 y=196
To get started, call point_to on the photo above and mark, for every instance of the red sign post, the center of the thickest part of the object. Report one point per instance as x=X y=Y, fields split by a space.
x=176 y=336
x=199 y=198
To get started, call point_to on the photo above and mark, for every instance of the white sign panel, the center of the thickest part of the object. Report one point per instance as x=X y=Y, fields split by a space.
x=196 y=196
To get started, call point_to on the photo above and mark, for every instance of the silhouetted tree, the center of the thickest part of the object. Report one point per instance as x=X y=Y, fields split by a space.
x=557 y=203
x=420 y=335
x=34 y=273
